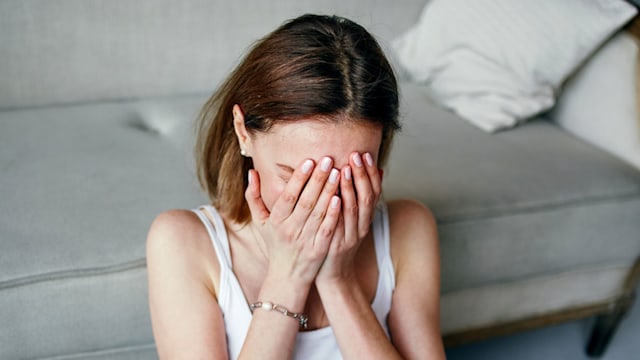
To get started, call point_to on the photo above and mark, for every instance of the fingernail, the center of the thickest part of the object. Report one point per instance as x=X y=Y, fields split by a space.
x=347 y=173
x=335 y=201
x=368 y=159
x=357 y=160
x=334 y=176
x=306 y=167
x=325 y=164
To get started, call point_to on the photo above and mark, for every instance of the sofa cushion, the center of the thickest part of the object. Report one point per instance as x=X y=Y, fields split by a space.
x=525 y=202
x=80 y=187
x=500 y=62
x=100 y=49
x=600 y=104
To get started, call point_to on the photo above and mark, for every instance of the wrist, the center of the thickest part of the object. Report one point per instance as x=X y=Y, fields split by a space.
x=301 y=318
x=285 y=291
x=344 y=282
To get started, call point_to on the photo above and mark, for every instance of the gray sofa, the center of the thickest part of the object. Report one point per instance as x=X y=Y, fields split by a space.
x=97 y=99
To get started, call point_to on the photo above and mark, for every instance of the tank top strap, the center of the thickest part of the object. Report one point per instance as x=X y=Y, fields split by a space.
x=381 y=235
x=386 y=274
x=217 y=234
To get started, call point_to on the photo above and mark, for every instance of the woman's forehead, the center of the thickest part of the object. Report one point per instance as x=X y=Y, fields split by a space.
x=315 y=139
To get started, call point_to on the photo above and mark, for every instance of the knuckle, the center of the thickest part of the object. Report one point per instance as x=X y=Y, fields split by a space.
x=325 y=232
x=368 y=200
x=352 y=210
x=288 y=197
x=317 y=215
x=289 y=233
x=306 y=204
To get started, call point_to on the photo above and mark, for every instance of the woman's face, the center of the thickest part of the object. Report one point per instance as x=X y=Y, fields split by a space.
x=285 y=146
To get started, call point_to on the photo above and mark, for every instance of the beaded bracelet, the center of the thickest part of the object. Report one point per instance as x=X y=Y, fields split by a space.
x=268 y=306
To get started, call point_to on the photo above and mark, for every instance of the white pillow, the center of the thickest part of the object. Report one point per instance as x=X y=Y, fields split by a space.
x=499 y=62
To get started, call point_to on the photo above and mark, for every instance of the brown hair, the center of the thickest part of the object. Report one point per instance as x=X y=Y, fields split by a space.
x=311 y=66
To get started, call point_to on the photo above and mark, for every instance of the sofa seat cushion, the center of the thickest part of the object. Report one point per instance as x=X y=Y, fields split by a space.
x=503 y=303
x=525 y=202
x=80 y=187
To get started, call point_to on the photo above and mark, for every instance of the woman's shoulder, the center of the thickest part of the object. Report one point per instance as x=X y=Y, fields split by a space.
x=412 y=230
x=178 y=239
x=175 y=225
x=403 y=212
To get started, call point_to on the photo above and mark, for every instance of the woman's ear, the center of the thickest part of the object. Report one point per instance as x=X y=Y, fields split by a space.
x=241 y=131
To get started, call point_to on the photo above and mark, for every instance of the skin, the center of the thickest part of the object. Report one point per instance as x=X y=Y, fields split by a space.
x=306 y=248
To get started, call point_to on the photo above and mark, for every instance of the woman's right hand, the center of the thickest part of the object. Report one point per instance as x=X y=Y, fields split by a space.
x=301 y=224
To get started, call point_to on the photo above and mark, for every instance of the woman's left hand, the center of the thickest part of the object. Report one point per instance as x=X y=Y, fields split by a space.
x=360 y=189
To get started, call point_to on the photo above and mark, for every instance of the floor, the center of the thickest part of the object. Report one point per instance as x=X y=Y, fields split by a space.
x=565 y=341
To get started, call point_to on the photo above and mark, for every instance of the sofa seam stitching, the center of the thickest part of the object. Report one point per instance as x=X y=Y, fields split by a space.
x=527 y=209
x=74 y=273
x=108 y=351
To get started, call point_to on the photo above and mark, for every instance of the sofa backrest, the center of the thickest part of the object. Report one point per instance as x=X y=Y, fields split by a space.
x=75 y=51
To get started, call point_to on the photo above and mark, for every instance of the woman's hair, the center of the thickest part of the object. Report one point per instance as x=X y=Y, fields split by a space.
x=326 y=67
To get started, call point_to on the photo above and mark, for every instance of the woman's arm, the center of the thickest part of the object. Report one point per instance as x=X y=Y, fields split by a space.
x=414 y=317
x=354 y=323
x=414 y=321
x=187 y=322
x=297 y=234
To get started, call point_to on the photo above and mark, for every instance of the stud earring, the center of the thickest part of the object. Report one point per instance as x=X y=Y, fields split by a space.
x=243 y=152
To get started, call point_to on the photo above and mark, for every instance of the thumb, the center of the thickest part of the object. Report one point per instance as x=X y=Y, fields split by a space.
x=257 y=208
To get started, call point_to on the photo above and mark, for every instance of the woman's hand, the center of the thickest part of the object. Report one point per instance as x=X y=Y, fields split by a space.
x=360 y=188
x=302 y=222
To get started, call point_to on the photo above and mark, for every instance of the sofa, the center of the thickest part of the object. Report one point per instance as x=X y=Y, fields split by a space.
x=538 y=224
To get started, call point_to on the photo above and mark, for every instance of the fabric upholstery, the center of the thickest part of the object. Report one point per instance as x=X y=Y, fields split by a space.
x=522 y=200
x=77 y=314
x=70 y=51
x=505 y=302
x=600 y=104
x=86 y=181
x=500 y=62
x=80 y=187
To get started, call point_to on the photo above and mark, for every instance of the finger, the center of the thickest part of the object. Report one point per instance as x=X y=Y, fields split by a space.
x=257 y=207
x=337 y=241
x=317 y=215
x=364 y=194
x=349 y=205
x=375 y=176
x=328 y=228
x=287 y=200
x=311 y=194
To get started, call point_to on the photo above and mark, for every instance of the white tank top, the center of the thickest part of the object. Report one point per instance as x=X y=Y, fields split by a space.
x=311 y=345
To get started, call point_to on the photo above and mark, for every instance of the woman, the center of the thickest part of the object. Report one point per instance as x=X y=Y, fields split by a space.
x=297 y=257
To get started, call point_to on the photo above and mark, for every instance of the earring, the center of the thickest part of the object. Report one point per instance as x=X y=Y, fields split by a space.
x=243 y=152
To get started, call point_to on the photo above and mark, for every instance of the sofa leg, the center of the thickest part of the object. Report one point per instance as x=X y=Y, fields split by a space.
x=606 y=324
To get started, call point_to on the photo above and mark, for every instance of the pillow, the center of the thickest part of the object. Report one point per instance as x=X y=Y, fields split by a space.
x=498 y=62
x=599 y=103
